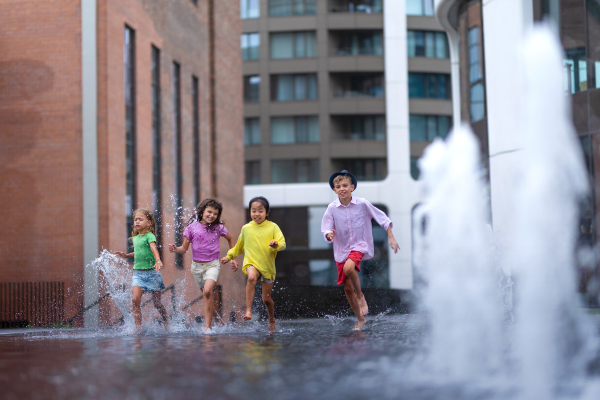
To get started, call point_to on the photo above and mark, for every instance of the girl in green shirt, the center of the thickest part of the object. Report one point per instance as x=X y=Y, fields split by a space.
x=146 y=265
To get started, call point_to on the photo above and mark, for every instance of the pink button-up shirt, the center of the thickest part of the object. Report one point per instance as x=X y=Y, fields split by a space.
x=352 y=224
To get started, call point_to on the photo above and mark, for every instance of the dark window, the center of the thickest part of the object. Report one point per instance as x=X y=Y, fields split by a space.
x=357 y=43
x=420 y=7
x=129 y=57
x=281 y=8
x=249 y=9
x=177 y=193
x=285 y=130
x=294 y=171
x=196 y=138
x=251 y=88
x=414 y=168
x=477 y=103
x=293 y=45
x=357 y=85
x=294 y=87
x=251 y=131
x=427 y=44
x=425 y=128
x=431 y=86
x=359 y=127
x=156 y=146
x=365 y=169
x=250 y=45
x=356 y=6
x=252 y=172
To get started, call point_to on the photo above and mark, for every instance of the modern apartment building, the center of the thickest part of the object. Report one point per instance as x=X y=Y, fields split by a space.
x=361 y=85
x=484 y=41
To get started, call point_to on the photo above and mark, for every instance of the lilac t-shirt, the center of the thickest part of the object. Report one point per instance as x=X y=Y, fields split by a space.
x=205 y=244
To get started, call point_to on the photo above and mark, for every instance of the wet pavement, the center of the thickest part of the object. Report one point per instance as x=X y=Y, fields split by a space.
x=304 y=359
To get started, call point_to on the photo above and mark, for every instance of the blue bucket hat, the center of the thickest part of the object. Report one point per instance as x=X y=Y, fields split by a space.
x=343 y=172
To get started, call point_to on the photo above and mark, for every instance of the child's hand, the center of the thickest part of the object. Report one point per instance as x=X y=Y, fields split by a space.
x=234 y=265
x=120 y=254
x=172 y=248
x=273 y=244
x=224 y=260
x=158 y=266
x=331 y=235
x=394 y=245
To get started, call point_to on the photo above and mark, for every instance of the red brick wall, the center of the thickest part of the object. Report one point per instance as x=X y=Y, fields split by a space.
x=40 y=144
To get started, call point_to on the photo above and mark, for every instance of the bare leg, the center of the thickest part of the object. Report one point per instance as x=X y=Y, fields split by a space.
x=136 y=309
x=253 y=275
x=267 y=289
x=353 y=301
x=350 y=271
x=209 y=304
x=156 y=296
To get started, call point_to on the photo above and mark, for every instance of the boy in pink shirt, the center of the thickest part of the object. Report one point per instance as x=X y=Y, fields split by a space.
x=347 y=223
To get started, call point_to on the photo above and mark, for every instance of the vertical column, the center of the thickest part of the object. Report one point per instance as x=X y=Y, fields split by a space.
x=89 y=87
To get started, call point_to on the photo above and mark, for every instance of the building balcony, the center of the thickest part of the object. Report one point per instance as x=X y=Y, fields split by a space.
x=355 y=63
x=358 y=148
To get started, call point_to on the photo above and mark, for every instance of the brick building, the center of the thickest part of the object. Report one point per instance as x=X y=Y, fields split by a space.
x=106 y=106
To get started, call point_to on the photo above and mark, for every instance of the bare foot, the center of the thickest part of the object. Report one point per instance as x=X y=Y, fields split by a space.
x=137 y=330
x=207 y=330
x=362 y=304
x=248 y=316
x=272 y=325
x=359 y=325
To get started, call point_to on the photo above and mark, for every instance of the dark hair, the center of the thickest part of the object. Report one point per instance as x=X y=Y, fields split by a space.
x=200 y=210
x=262 y=201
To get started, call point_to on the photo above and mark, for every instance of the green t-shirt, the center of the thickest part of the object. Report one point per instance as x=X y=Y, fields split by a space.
x=143 y=257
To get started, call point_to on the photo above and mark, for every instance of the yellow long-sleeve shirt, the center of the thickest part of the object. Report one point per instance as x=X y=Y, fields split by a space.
x=254 y=243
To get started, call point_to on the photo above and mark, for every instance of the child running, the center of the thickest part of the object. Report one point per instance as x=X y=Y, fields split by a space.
x=260 y=240
x=347 y=223
x=203 y=231
x=146 y=265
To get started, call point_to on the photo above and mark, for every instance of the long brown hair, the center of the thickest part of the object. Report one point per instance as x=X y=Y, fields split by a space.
x=150 y=216
x=200 y=210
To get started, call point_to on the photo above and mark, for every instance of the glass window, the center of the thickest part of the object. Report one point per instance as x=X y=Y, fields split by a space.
x=362 y=127
x=425 y=128
x=294 y=87
x=419 y=7
x=357 y=85
x=366 y=169
x=293 y=45
x=432 y=86
x=252 y=172
x=130 y=127
x=156 y=145
x=294 y=171
x=357 y=43
x=286 y=130
x=281 y=8
x=250 y=45
x=356 y=6
x=251 y=88
x=427 y=44
x=249 y=9
x=251 y=131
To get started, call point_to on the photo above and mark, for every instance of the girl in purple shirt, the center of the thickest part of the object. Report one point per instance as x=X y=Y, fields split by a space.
x=203 y=231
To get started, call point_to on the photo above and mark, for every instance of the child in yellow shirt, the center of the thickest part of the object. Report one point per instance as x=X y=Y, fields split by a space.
x=260 y=240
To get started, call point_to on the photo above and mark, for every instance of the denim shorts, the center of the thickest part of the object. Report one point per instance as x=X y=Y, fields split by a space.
x=149 y=280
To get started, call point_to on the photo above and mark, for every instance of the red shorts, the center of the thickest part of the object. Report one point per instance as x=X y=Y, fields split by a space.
x=355 y=256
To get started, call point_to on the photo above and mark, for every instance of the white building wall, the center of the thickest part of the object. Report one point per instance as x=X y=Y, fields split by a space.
x=398 y=192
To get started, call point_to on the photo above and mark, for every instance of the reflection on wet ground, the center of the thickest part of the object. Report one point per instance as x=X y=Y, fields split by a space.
x=304 y=359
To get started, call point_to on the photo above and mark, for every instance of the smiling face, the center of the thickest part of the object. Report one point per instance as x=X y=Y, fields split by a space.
x=209 y=215
x=258 y=212
x=343 y=188
x=141 y=222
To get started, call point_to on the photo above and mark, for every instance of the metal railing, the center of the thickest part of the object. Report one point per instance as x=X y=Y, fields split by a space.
x=37 y=304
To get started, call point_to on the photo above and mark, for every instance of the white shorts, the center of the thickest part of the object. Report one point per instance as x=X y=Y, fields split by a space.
x=262 y=278
x=204 y=271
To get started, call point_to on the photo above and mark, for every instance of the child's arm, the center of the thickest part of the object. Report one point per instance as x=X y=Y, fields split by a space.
x=327 y=226
x=181 y=249
x=236 y=250
x=383 y=220
x=124 y=255
x=234 y=264
x=158 y=265
x=278 y=243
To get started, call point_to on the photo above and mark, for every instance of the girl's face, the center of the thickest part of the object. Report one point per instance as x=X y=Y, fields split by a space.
x=258 y=212
x=141 y=222
x=209 y=215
